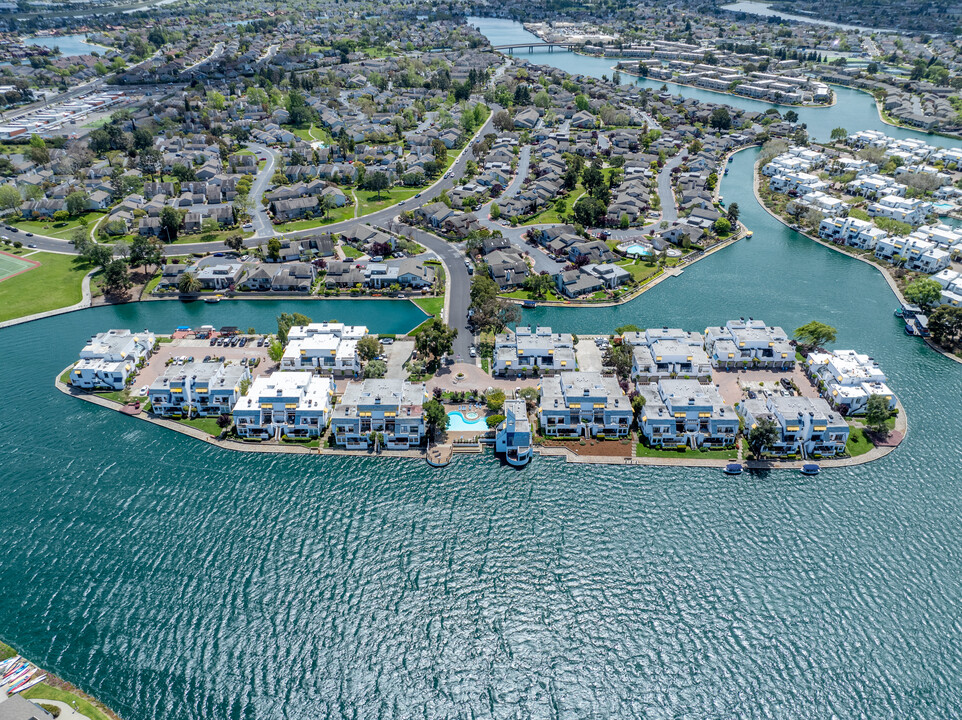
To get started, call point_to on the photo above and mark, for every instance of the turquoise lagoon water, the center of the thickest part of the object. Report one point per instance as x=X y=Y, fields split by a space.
x=69 y=44
x=177 y=581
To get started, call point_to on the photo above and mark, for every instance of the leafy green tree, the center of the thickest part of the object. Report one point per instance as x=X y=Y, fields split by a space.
x=435 y=416
x=495 y=400
x=368 y=347
x=815 y=334
x=720 y=118
x=762 y=436
x=722 y=226
x=116 y=277
x=76 y=203
x=733 y=213
x=435 y=340
x=274 y=249
x=169 y=223
x=275 y=350
x=876 y=413
x=495 y=211
x=378 y=182
x=945 y=324
x=839 y=133
x=924 y=292
x=539 y=285
x=9 y=197
x=589 y=211
x=375 y=369
x=285 y=321
x=188 y=284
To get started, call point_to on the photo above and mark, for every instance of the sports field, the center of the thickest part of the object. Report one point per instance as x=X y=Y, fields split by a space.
x=11 y=265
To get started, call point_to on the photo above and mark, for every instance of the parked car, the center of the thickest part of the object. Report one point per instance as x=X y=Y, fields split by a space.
x=31 y=245
x=387 y=341
x=473 y=352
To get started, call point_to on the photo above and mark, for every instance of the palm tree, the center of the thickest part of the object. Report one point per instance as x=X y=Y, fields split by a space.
x=188 y=284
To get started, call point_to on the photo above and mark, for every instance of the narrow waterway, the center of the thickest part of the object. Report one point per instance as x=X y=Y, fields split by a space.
x=178 y=581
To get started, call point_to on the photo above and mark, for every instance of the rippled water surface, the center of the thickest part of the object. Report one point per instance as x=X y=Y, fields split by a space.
x=178 y=581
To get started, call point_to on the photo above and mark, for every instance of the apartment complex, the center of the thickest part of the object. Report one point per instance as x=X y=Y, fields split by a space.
x=387 y=412
x=685 y=412
x=197 y=388
x=110 y=360
x=584 y=403
x=285 y=404
x=527 y=349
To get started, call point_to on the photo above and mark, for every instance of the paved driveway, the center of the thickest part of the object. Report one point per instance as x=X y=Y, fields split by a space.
x=590 y=358
x=398 y=354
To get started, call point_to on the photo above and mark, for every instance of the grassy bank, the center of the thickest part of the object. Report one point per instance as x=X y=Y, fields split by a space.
x=55 y=284
x=57 y=689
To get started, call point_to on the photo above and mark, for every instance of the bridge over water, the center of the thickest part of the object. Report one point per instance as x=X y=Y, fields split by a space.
x=569 y=46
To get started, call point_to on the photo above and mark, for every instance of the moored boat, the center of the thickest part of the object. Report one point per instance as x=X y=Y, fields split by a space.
x=733 y=469
x=810 y=469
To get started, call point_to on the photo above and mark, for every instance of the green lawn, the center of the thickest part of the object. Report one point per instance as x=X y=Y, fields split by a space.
x=6 y=652
x=643 y=450
x=551 y=296
x=153 y=283
x=369 y=202
x=207 y=424
x=55 y=284
x=551 y=214
x=431 y=305
x=220 y=236
x=43 y=691
x=333 y=216
x=857 y=443
x=350 y=251
x=639 y=269
x=311 y=134
x=312 y=443
x=61 y=230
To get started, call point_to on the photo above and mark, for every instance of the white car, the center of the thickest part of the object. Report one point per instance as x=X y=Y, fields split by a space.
x=248 y=226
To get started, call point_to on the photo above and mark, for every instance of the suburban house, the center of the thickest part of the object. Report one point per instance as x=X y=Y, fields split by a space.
x=743 y=343
x=111 y=359
x=528 y=349
x=285 y=404
x=204 y=388
x=685 y=412
x=806 y=427
x=584 y=403
x=382 y=413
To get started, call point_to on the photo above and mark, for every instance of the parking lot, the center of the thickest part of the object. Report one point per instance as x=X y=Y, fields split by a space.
x=733 y=385
x=199 y=349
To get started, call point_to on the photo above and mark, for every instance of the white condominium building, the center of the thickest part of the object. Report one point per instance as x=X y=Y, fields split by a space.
x=291 y=404
x=110 y=360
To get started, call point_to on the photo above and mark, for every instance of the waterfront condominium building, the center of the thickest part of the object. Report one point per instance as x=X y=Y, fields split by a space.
x=527 y=349
x=513 y=435
x=110 y=359
x=206 y=388
x=391 y=409
x=806 y=426
x=584 y=403
x=327 y=348
x=749 y=343
x=848 y=379
x=686 y=412
x=667 y=353
x=285 y=404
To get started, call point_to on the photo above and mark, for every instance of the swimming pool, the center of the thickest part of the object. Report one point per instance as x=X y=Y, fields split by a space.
x=642 y=250
x=459 y=423
x=944 y=206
